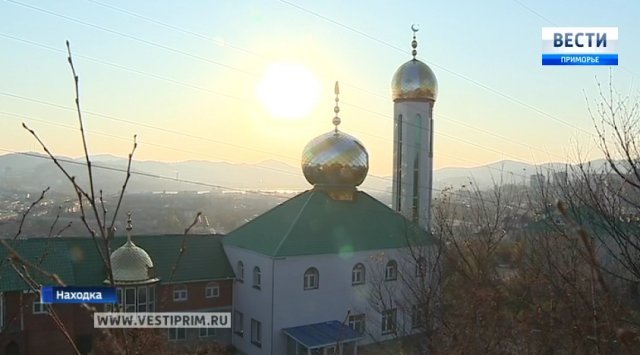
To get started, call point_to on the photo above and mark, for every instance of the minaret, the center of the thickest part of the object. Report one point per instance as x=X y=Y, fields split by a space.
x=414 y=90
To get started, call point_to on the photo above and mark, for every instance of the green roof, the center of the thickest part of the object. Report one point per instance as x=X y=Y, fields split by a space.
x=77 y=262
x=314 y=223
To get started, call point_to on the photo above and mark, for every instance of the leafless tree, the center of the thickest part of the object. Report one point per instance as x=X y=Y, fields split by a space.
x=100 y=224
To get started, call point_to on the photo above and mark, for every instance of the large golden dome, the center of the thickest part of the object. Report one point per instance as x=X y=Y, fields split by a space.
x=414 y=80
x=335 y=159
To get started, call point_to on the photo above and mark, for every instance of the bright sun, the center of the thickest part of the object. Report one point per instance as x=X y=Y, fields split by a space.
x=288 y=90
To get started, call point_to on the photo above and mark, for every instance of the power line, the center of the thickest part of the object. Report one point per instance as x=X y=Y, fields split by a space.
x=242 y=99
x=109 y=117
x=121 y=67
x=131 y=37
x=31 y=118
x=461 y=76
x=172 y=27
x=177 y=82
x=221 y=187
x=176 y=28
x=139 y=173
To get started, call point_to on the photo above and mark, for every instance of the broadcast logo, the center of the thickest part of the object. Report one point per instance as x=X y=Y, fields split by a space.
x=579 y=46
x=70 y=294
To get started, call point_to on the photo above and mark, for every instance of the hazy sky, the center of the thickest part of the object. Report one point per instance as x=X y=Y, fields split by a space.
x=183 y=75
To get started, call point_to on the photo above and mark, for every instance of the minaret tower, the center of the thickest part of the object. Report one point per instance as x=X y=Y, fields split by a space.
x=414 y=89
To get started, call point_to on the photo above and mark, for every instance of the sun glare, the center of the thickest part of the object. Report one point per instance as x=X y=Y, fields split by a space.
x=288 y=90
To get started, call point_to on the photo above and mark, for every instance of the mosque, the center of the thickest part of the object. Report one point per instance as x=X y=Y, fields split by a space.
x=306 y=270
x=325 y=272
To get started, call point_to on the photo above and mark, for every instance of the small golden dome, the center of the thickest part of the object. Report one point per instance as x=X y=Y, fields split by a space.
x=414 y=80
x=335 y=159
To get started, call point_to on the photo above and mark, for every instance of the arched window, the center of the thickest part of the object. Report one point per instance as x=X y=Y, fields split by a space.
x=311 y=278
x=240 y=271
x=391 y=271
x=421 y=267
x=257 y=277
x=180 y=293
x=358 y=274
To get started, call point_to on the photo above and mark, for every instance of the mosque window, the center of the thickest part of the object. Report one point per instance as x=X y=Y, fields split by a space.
x=151 y=303
x=130 y=299
x=417 y=316
x=358 y=274
x=357 y=322
x=389 y=319
x=238 y=323
x=134 y=299
x=311 y=278
x=416 y=169
x=257 y=277
x=180 y=293
x=256 y=333
x=212 y=290
x=399 y=164
x=142 y=299
x=240 y=271
x=431 y=140
x=391 y=271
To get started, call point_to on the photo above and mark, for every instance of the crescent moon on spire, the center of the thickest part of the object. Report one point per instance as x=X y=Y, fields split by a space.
x=415 y=28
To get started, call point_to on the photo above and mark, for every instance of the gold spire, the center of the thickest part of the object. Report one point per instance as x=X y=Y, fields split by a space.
x=129 y=227
x=414 y=44
x=336 y=109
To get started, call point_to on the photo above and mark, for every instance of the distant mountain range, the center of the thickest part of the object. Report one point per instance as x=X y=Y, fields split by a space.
x=34 y=171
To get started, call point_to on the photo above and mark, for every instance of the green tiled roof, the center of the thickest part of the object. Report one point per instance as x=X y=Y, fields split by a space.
x=52 y=257
x=77 y=262
x=313 y=223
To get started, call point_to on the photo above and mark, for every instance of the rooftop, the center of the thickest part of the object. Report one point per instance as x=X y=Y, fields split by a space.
x=312 y=223
x=77 y=262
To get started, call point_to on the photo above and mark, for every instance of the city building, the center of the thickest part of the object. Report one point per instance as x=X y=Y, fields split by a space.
x=143 y=271
x=307 y=270
x=302 y=278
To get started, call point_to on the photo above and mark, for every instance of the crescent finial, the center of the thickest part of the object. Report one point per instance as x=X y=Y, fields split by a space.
x=415 y=28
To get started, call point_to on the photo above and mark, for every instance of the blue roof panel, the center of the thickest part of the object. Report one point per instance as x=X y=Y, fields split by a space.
x=322 y=334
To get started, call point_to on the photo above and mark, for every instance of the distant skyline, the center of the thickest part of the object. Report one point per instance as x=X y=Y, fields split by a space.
x=184 y=76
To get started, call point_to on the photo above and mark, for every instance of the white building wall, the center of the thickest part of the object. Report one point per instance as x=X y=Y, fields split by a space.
x=294 y=306
x=253 y=303
x=282 y=301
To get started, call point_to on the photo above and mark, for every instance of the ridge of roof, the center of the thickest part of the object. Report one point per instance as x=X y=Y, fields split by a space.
x=293 y=223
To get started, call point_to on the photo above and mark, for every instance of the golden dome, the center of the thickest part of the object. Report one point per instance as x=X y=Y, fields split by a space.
x=131 y=264
x=414 y=80
x=335 y=159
